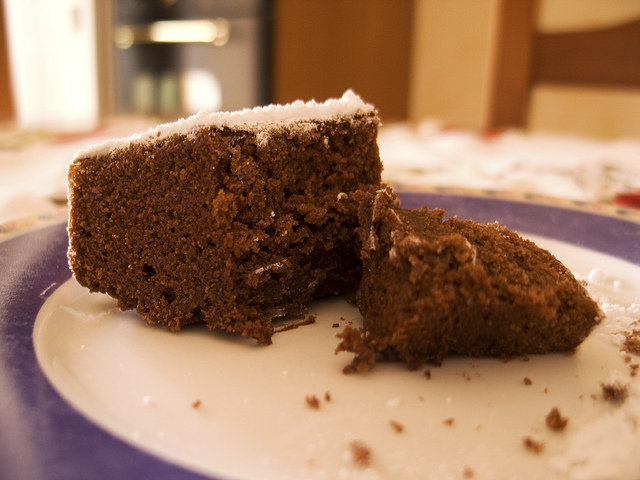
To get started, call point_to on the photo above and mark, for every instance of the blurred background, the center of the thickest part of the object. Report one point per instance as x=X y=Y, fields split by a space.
x=71 y=64
x=531 y=99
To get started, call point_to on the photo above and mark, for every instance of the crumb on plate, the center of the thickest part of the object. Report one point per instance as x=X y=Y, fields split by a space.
x=614 y=392
x=397 y=426
x=555 y=421
x=312 y=401
x=360 y=453
x=534 y=446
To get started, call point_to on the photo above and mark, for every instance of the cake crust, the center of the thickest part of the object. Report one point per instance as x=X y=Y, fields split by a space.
x=226 y=224
x=433 y=287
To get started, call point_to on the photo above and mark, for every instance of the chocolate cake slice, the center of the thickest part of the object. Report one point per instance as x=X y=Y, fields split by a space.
x=432 y=287
x=231 y=219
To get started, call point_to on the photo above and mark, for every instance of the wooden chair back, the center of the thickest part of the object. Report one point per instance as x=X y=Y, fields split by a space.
x=523 y=57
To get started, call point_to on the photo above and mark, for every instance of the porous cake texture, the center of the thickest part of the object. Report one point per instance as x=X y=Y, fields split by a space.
x=432 y=287
x=231 y=219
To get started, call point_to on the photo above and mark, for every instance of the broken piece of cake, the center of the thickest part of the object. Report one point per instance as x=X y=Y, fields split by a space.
x=432 y=287
x=231 y=219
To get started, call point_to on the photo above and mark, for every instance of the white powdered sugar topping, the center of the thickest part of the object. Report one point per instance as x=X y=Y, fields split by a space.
x=608 y=445
x=259 y=119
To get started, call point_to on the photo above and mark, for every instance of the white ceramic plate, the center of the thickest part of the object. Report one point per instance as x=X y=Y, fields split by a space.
x=224 y=406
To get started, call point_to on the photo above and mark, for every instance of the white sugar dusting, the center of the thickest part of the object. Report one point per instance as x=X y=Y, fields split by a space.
x=393 y=402
x=262 y=120
x=619 y=318
x=608 y=446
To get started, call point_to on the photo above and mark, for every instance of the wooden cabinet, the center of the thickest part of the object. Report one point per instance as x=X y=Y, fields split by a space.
x=323 y=47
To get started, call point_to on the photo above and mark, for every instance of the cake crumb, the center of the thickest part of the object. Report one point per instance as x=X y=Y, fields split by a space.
x=312 y=401
x=632 y=342
x=327 y=396
x=532 y=445
x=555 y=421
x=196 y=403
x=615 y=390
x=336 y=325
x=527 y=381
x=448 y=421
x=360 y=453
x=397 y=426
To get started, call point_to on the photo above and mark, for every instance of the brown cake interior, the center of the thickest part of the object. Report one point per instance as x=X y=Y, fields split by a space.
x=432 y=287
x=222 y=225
